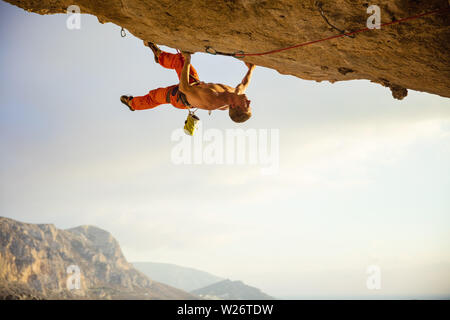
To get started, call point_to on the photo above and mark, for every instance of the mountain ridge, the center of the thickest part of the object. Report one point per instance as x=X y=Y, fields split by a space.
x=36 y=256
x=231 y=290
x=184 y=278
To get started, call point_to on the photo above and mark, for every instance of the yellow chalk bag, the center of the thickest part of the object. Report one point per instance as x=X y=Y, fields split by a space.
x=191 y=124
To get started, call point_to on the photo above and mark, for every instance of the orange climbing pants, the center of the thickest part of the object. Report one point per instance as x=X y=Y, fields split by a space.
x=159 y=96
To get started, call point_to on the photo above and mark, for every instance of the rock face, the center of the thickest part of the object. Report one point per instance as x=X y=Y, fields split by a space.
x=411 y=55
x=34 y=260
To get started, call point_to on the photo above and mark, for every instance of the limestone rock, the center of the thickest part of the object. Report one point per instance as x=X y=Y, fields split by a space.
x=411 y=55
x=34 y=259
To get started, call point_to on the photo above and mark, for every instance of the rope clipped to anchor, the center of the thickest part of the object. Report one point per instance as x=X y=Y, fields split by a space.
x=238 y=54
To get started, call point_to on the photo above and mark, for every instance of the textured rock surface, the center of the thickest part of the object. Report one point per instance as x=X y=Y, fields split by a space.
x=34 y=260
x=413 y=55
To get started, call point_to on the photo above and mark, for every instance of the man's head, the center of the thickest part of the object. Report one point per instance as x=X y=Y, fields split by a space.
x=240 y=111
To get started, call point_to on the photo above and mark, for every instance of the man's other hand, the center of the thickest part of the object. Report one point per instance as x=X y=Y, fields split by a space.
x=186 y=55
x=249 y=65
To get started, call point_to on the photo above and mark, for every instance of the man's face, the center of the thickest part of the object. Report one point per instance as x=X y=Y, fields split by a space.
x=243 y=104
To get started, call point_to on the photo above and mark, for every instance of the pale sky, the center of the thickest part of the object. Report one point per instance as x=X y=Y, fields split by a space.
x=363 y=179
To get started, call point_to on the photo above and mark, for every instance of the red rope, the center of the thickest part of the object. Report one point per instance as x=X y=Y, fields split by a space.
x=241 y=55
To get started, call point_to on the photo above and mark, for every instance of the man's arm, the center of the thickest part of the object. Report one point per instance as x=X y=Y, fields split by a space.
x=184 y=78
x=208 y=94
x=240 y=89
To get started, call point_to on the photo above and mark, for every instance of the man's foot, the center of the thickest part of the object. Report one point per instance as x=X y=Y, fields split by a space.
x=126 y=100
x=155 y=49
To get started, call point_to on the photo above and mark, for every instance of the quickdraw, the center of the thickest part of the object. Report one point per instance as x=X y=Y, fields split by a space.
x=238 y=54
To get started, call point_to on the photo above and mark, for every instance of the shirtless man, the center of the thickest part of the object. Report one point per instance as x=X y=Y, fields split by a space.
x=193 y=93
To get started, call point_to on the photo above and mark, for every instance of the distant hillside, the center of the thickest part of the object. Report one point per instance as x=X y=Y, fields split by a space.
x=34 y=259
x=183 y=278
x=231 y=290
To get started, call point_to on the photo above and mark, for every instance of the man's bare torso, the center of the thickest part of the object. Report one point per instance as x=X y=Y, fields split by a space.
x=207 y=95
x=213 y=96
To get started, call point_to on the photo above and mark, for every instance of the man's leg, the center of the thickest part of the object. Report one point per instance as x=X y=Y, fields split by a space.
x=176 y=61
x=153 y=99
x=171 y=61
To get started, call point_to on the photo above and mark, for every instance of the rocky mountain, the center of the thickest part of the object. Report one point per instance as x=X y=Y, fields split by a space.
x=183 y=278
x=231 y=290
x=414 y=54
x=39 y=261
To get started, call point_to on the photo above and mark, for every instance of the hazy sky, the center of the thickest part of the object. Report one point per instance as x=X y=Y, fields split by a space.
x=363 y=179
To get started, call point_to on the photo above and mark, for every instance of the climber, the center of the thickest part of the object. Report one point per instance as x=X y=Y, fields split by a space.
x=191 y=92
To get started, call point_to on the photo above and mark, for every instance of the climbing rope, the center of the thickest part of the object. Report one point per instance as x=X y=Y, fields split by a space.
x=242 y=54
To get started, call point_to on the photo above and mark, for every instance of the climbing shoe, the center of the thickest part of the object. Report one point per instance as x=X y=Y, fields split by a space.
x=126 y=100
x=155 y=49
